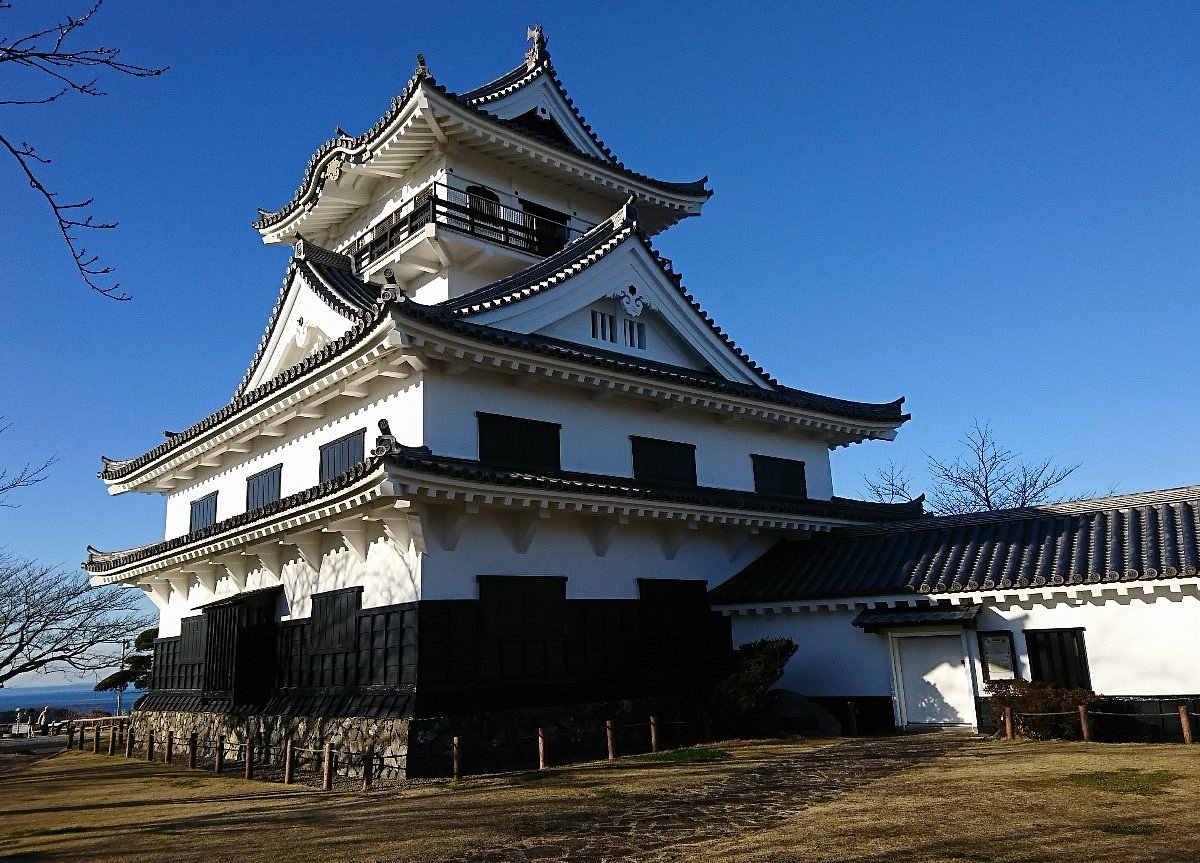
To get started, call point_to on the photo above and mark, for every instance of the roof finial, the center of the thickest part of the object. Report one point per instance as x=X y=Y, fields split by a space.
x=537 y=51
x=422 y=69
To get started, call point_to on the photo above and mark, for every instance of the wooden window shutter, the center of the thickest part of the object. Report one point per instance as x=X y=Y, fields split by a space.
x=664 y=461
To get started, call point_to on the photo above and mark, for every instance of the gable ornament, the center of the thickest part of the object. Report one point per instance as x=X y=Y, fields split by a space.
x=631 y=301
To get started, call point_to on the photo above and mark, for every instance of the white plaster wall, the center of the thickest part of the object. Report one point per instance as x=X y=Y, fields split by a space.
x=595 y=435
x=1136 y=645
x=833 y=659
x=466 y=167
x=319 y=317
x=399 y=402
x=561 y=546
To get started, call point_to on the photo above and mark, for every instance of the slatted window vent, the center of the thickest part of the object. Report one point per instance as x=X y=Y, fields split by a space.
x=340 y=455
x=635 y=334
x=263 y=487
x=604 y=326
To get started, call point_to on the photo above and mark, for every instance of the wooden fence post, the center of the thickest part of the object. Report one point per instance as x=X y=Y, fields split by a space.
x=249 y=758
x=327 y=775
x=851 y=719
x=1085 y=725
x=1185 y=723
x=149 y=745
x=169 y=752
x=193 y=745
x=369 y=767
x=70 y=734
x=456 y=758
x=112 y=740
x=706 y=724
x=288 y=760
x=1008 y=723
x=129 y=743
x=96 y=738
x=653 y=733
x=219 y=757
x=610 y=738
x=541 y=748
x=82 y=731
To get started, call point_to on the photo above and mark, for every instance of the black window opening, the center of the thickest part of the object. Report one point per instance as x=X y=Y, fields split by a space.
x=523 y=606
x=664 y=461
x=263 y=487
x=204 y=512
x=779 y=477
x=340 y=455
x=1059 y=657
x=334 y=617
x=516 y=442
x=548 y=226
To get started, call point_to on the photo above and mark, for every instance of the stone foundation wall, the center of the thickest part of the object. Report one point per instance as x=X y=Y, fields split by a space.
x=410 y=748
x=347 y=734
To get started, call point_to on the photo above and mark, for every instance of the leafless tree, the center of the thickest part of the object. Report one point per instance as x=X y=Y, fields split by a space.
x=52 y=619
x=49 y=67
x=889 y=484
x=986 y=475
x=29 y=474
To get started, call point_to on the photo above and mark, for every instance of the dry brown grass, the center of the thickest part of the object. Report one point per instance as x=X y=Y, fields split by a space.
x=983 y=802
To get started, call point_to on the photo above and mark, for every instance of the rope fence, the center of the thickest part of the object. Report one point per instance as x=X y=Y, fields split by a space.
x=221 y=755
x=1085 y=713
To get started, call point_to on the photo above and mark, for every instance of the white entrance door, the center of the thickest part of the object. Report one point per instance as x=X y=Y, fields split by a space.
x=934 y=685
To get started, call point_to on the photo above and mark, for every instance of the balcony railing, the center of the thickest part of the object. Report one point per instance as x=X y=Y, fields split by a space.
x=479 y=214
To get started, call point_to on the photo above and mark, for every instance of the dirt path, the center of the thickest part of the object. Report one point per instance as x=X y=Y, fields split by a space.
x=663 y=828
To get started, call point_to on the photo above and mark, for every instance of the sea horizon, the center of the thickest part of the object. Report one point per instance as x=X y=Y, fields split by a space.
x=77 y=697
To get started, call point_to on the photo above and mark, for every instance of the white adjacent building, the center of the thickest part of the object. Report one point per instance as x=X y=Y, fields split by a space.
x=489 y=454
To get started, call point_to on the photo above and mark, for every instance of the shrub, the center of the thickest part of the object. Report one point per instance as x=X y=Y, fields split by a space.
x=740 y=695
x=1029 y=699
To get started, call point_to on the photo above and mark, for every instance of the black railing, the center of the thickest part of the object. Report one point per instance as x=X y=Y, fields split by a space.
x=478 y=213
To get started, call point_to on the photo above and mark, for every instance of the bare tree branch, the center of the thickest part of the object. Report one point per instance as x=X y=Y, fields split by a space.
x=989 y=476
x=889 y=484
x=29 y=474
x=44 y=54
x=52 y=618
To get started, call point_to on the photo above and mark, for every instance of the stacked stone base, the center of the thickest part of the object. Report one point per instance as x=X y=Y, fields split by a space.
x=412 y=748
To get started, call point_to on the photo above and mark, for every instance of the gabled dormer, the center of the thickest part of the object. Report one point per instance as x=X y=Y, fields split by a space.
x=610 y=290
x=532 y=97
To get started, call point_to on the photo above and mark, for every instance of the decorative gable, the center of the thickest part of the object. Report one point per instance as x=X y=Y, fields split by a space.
x=321 y=299
x=610 y=290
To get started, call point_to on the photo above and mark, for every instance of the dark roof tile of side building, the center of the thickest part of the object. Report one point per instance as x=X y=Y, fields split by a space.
x=355 y=147
x=1137 y=537
x=420 y=460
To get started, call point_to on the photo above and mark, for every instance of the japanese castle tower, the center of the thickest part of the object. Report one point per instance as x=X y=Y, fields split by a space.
x=489 y=455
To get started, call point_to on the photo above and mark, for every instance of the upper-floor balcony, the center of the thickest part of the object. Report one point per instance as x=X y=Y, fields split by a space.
x=529 y=228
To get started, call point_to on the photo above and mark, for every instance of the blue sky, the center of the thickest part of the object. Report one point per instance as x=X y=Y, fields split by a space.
x=991 y=209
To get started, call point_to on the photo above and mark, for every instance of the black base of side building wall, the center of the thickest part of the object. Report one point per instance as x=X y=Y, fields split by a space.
x=873 y=714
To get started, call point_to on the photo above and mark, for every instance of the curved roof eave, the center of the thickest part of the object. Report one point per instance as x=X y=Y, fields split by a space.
x=357 y=149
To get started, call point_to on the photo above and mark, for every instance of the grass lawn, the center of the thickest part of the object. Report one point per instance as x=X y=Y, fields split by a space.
x=931 y=800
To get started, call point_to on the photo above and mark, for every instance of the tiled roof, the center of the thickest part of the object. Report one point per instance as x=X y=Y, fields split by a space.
x=577 y=256
x=420 y=460
x=356 y=149
x=537 y=64
x=336 y=284
x=104 y=561
x=874 y=619
x=1139 y=537
x=331 y=277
